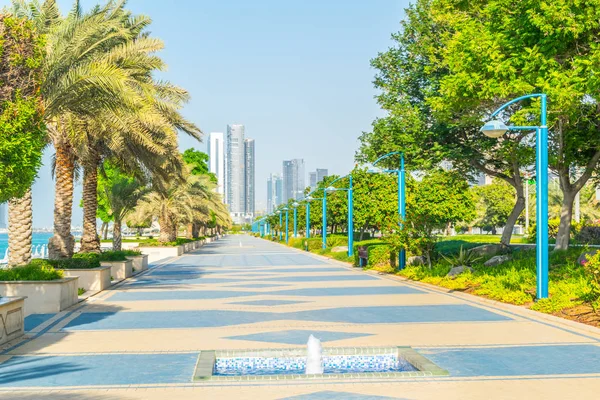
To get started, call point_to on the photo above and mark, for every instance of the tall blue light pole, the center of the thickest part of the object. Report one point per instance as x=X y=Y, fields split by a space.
x=401 y=196
x=287 y=215
x=324 y=228
x=350 y=211
x=295 y=205
x=307 y=217
x=280 y=225
x=495 y=129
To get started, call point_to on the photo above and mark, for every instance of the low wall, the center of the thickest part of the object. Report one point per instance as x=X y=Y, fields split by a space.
x=43 y=297
x=119 y=270
x=140 y=263
x=91 y=279
x=12 y=318
x=156 y=253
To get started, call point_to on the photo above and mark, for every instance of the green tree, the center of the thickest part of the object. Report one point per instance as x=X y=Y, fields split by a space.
x=22 y=132
x=527 y=47
x=440 y=199
x=494 y=204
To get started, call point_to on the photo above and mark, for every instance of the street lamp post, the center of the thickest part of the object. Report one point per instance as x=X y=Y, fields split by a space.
x=280 y=224
x=324 y=223
x=287 y=214
x=295 y=205
x=307 y=217
x=495 y=129
x=401 y=196
x=350 y=211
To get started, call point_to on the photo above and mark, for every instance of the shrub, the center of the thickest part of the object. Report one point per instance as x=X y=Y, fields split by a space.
x=588 y=234
x=84 y=261
x=379 y=253
x=36 y=270
x=553 y=225
x=592 y=271
x=463 y=258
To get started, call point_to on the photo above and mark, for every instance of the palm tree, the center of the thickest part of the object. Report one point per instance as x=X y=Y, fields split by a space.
x=98 y=68
x=20 y=229
x=176 y=203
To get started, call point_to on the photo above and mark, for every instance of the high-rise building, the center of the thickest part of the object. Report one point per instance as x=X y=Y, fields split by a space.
x=216 y=159
x=2 y=216
x=239 y=174
x=293 y=180
x=249 y=184
x=235 y=171
x=316 y=177
x=274 y=192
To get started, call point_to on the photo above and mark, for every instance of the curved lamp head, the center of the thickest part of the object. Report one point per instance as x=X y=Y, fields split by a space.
x=374 y=170
x=330 y=189
x=295 y=204
x=309 y=198
x=494 y=128
x=284 y=209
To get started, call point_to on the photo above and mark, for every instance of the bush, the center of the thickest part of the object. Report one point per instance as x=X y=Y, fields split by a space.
x=79 y=261
x=588 y=235
x=553 y=225
x=36 y=270
x=378 y=253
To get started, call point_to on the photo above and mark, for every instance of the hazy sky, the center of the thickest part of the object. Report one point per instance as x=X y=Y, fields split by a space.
x=295 y=73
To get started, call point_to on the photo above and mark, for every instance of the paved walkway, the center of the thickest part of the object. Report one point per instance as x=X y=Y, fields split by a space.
x=142 y=339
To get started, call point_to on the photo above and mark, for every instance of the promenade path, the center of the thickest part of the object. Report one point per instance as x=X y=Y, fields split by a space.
x=141 y=339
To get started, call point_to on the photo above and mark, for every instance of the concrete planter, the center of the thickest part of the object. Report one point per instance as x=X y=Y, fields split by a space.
x=43 y=297
x=140 y=263
x=91 y=279
x=12 y=318
x=156 y=253
x=119 y=270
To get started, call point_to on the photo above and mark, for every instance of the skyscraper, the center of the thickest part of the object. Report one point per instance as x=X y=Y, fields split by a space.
x=274 y=192
x=293 y=180
x=249 y=183
x=316 y=177
x=235 y=171
x=216 y=159
x=2 y=216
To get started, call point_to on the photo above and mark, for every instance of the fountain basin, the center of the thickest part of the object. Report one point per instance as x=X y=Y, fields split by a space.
x=338 y=363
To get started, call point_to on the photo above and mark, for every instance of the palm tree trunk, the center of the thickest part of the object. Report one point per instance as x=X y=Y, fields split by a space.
x=61 y=244
x=90 y=242
x=20 y=230
x=189 y=231
x=117 y=235
x=168 y=229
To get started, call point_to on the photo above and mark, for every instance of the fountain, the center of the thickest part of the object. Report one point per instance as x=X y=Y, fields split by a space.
x=314 y=356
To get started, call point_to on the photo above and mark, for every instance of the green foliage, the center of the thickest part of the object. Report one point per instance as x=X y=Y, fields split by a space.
x=22 y=131
x=37 y=270
x=592 y=271
x=494 y=204
x=463 y=258
x=199 y=160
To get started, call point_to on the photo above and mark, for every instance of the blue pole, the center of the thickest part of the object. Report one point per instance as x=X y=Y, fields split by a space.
x=350 y=220
x=402 y=207
x=542 y=204
x=280 y=225
x=324 y=219
x=307 y=219
x=287 y=214
x=295 y=222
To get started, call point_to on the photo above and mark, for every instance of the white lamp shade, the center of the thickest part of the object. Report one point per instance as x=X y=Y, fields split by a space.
x=494 y=128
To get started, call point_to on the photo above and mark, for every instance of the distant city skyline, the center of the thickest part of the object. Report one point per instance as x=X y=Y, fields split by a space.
x=316 y=177
x=294 y=179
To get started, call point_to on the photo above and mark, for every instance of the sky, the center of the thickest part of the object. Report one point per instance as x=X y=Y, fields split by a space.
x=296 y=73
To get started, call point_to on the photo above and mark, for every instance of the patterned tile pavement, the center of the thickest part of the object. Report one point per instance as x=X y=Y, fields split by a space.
x=141 y=339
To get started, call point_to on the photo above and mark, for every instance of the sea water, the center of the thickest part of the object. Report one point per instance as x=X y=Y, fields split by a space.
x=38 y=238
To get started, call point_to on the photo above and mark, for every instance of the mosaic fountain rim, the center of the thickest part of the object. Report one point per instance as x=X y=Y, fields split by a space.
x=425 y=367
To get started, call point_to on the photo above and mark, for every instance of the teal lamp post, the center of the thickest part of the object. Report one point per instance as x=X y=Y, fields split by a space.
x=308 y=200
x=287 y=214
x=295 y=205
x=280 y=225
x=401 y=195
x=496 y=128
x=350 y=211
